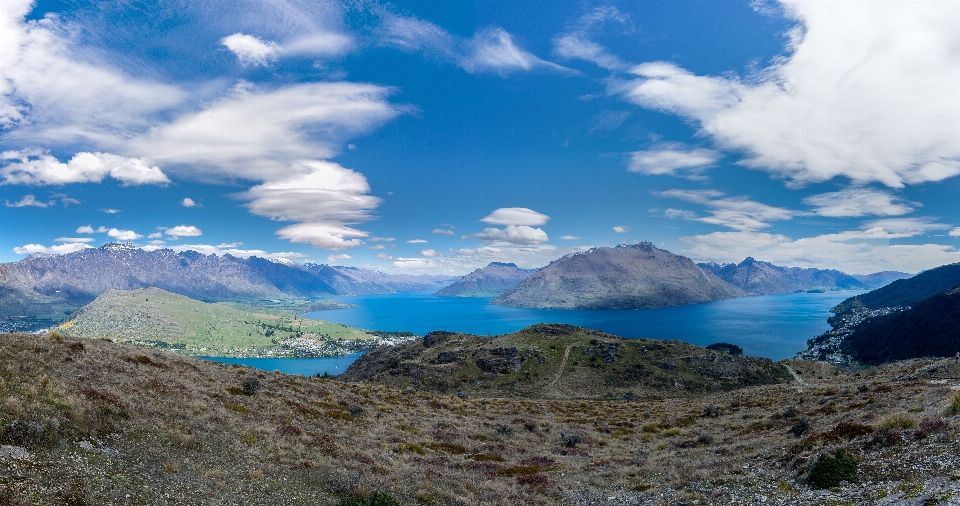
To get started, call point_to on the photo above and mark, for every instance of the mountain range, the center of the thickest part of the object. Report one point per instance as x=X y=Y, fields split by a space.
x=756 y=277
x=638 y=276
x=489 y=281
x=52 y=286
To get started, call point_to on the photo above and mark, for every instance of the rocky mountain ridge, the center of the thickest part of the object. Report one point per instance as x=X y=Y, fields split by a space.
x=756 y=277
x=51 y=286
x=638 y=276
x=489 y=281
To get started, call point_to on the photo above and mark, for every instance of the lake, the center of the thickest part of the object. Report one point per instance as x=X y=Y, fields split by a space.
x=772 y=326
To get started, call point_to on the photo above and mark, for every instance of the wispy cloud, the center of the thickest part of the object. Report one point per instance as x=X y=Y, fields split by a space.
x=855 y=202
x=673 y=160
x=739 y=213
x=30 y=201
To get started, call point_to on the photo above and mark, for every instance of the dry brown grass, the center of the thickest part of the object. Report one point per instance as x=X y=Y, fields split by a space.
x=167 y=429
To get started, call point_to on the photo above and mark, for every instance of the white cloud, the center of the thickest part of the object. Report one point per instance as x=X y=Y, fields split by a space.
x=264 y=135
x=323 y=196
x=188 y=202
x=110 y=211
x=30 y=201
x=443 y=231
x=679 y=213
x=417 y=241
x=52 y=90
x=337 y=258
x=673 y=160
x=429 y=253
x=384 y=256
x=85 y=229
x=331 y=237
x=377 y=246
x=621 y=229
x=73 y=239
x=955 y=232
x=59 y=249
x=569 y=238
x=251 y=50
x=855 y=251
x=576 y=44
x=183 y=231
x=516 y=216
x=101 y=230
x=36 y=168
x=514 y=234
x=463 y=260
x=854 y=202
x=123 y=235
x=738 y=213
x=493 y=50
x=861 y=94
x=155 y=235
x=285 y=257
x=382 y=239
x=413 y=34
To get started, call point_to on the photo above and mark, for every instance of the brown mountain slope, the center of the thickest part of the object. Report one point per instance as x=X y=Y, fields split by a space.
x=639 y=276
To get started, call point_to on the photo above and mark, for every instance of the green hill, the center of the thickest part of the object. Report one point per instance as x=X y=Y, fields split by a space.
x=559 y=361
x=157 y=318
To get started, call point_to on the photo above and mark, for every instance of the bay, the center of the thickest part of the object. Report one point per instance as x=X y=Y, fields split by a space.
x=772 y=326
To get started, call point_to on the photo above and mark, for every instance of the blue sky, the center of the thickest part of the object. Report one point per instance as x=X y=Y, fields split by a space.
x=434 y=137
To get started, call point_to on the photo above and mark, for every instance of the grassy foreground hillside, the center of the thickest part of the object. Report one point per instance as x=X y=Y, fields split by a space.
x=157 y=318
x=560 y=361
x=95 y=422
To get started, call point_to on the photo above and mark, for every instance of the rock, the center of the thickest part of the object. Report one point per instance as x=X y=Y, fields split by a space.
x=9 y=452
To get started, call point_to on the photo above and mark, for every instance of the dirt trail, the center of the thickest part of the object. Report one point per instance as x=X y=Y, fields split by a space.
x=800 y=383
x=563 y=363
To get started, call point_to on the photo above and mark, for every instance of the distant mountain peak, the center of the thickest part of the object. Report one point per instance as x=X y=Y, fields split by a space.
x=628 y=276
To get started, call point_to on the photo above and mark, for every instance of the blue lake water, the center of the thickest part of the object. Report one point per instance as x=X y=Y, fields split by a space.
x=772 y=326
x=301 y=366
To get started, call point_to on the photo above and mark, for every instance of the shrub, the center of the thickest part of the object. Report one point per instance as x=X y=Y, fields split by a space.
x=374 y=499
x=800 y=428
x=503 y=430
x=711 y=411
x=953 y=409
x=530 y=426
x=830 y=470
x=728 y=348
x=570 y=440
x=705 y=439
x=903 y=422
x=928 y=426
x=884 y=437
x=250 y=385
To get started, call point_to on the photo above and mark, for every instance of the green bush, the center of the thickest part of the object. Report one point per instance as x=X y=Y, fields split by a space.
x=830 y=470
x=374 y=499
x=954 y=408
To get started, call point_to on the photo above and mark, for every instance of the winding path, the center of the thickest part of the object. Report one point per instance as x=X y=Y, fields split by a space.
x=800 y=382
x=563 y=363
